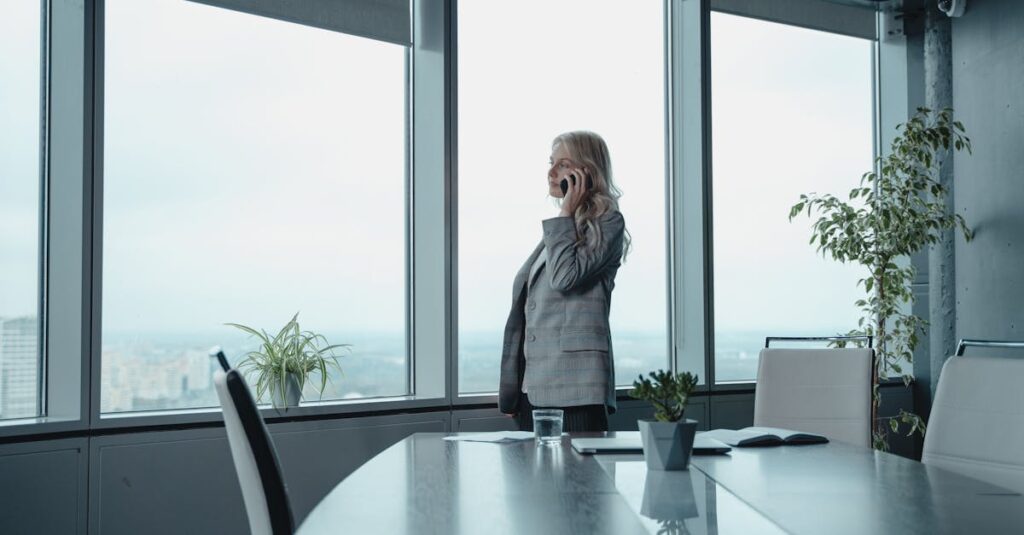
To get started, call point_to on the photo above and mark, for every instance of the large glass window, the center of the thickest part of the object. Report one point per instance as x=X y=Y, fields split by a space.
x=526 y=75
x=253 y=169
x=792 y=113
x=20 y=144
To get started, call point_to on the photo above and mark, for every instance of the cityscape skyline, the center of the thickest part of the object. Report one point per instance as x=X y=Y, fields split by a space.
x=172 y=371
x=239 y=186
x=19 y=367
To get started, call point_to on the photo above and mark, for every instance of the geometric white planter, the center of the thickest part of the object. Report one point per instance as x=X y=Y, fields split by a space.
x=667 y=445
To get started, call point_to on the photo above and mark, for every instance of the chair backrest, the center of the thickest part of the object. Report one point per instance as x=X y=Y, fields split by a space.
x=259 y=473
x=825 y=391
x=976 y=426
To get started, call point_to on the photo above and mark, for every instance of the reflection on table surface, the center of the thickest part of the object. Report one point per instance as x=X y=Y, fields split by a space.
x=424 y=484
x=681 y=502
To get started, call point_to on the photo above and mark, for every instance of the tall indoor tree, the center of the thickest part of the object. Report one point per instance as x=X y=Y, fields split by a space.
x=894 y=213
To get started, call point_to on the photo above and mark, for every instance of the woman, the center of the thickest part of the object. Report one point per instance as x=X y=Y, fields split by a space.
x=557 y=351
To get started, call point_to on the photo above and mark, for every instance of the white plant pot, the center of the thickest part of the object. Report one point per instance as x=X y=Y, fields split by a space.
x=667 y=445
x=291 y=395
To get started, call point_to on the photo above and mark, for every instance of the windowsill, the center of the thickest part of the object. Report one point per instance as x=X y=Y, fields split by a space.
x=35 y=420
x=308 y=409
x=621 y=394
x=158 y=413
x=348 y=406
x=734 y=385
x=264 y=407
x=17 y=427
x=14 y=428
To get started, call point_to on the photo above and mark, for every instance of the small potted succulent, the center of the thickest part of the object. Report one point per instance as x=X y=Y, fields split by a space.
x=283 y=363
x=668 y=439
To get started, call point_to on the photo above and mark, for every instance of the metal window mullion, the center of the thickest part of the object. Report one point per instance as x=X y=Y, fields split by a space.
x=452 y=205
x=689 y=169
x=429 y=167
x=410 y=265
x=68 y=154
x=92 y=275
x=706 y=177
x=670 y=206
x=44 y=189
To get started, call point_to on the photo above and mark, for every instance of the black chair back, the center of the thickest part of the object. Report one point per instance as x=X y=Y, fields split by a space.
x=257 y=440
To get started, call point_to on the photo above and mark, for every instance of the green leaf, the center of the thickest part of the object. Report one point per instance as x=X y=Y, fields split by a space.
x=669 y=393
x=903 y=210
x=290 y=351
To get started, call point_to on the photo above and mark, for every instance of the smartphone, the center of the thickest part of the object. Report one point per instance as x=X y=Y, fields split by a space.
x=565 y=183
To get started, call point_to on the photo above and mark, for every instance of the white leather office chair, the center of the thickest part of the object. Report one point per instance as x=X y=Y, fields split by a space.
x=825 y=391
x=259 y=474
x=976 y=426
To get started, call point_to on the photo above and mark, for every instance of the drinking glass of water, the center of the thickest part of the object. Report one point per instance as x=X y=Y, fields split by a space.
x=547 y=426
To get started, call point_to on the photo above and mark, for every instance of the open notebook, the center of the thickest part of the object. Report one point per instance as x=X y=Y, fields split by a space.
x=764 y=436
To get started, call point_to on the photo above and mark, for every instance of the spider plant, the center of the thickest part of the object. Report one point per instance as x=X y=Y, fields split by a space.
x=291 y=352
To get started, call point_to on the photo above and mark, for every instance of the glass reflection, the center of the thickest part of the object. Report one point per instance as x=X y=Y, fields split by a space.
x=683 y=501
x=548 y=460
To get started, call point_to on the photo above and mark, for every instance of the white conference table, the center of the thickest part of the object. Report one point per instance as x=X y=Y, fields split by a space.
x=424 y=484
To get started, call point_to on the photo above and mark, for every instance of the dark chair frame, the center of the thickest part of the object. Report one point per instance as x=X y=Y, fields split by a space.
x=965 y=343
x=275 y=492
x=769 y=339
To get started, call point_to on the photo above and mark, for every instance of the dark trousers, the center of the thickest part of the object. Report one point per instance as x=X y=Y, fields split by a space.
x=574 y=419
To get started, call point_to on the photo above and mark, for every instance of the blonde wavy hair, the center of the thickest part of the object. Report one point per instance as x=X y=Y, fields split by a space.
x=589 y=151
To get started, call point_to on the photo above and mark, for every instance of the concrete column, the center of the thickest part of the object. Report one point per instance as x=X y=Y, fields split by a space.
x=938 y=76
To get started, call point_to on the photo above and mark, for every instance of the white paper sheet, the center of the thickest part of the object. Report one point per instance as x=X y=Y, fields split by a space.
x=497 y=437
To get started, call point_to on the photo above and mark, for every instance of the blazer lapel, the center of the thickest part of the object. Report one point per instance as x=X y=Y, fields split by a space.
x=525 y=271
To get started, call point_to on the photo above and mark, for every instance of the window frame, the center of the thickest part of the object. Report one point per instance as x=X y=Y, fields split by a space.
x=688 y=150
x=415 y=381
x=672 y=39
x=73 y=187
x=64 y=246
x=830 y=18
x=42 y=217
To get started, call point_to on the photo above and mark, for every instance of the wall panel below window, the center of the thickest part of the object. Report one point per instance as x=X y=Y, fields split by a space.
x=44 y=486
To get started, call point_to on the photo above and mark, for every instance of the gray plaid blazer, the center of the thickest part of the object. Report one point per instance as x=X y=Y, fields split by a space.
x=568 y=352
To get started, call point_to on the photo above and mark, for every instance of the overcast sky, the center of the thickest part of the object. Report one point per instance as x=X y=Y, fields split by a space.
x=254 y=168
x=600 y=68
x=791 y=114
x=19 y=158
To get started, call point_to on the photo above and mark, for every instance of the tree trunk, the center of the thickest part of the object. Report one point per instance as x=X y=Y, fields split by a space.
x=880 y=319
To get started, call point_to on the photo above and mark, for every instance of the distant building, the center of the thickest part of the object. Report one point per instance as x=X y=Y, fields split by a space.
x=19 y=367
x=143 y=375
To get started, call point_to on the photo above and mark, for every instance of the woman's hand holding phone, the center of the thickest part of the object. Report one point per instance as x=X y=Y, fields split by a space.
x=573 y=190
